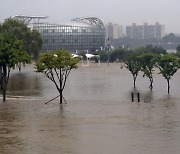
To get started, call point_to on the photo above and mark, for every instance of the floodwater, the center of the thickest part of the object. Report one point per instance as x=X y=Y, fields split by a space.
x=99 y=117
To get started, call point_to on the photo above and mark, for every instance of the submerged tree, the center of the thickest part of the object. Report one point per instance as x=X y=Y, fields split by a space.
x=132 y=63
x=168 y=66
x=57 y=65
x=147 y=62
x=11 y=53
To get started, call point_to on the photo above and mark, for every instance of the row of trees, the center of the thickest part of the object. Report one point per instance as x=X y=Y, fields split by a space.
x=145 y=59
x=18 y=44
x=168 y=65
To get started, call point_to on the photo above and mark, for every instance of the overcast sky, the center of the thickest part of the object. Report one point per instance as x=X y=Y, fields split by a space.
x=123 y=12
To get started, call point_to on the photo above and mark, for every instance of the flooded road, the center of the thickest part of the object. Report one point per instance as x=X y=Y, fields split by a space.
x=99 y=116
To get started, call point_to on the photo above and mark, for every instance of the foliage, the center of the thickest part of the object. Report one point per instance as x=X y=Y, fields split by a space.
x=171 y=38
x=118 y=54
x=178 y=48
x=57 y=65
x=178 y=54
x=168 y=66
x=132 y=63
x=147 y=62
x=151 y=49
x=11 y=53
x=32 y=40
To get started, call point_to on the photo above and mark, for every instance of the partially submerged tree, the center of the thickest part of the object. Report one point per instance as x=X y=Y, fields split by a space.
x=11 y=53
x=132 y=63
x=168 y=66
x=57 y=65
x=147 y=62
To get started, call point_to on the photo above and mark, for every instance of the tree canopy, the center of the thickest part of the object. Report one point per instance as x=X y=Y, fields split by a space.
x=11 y=53
x=56 y=65
x=132 y=63
x=168 y=66
x=147 y=62
x=31 y=39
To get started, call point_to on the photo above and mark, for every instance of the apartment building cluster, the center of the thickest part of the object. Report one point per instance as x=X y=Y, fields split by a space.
x=114 y=31
x=145 y=31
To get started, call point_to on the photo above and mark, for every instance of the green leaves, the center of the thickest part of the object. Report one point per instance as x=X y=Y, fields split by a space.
x=31 y=39
x=56 y=65
x=168 y=65
x=11 y=51
x=59 y=59
x=132 y=63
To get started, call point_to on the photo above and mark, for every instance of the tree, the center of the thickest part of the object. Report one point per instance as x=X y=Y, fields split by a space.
x=168 y=66
x=11 y=53
x=151 y=49
x=147 y=62
x=118 y=54
x=57 y=65
x=178 y=48
x=171 y=38
x=132 y=63
x=32 y=40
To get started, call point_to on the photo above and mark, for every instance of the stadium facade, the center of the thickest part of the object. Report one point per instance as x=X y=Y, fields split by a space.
x=82 y=34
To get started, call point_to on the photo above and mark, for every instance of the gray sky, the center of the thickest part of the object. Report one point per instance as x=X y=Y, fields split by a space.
x=123 y=12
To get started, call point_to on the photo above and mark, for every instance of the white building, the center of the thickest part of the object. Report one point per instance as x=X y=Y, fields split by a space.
x=145 y=31
x=114 y=31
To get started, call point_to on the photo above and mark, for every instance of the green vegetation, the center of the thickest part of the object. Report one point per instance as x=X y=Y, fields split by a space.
x=17 y=44
x=57 y=65
x=132 y=63
x=168 y=66
x=31 y=39
x=11 y=53
x=145 y=59
x=147 y=62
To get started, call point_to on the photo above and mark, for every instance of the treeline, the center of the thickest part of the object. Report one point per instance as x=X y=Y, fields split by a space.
x=118 y=54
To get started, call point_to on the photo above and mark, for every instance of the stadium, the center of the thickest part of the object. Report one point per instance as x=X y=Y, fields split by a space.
x=81 y=34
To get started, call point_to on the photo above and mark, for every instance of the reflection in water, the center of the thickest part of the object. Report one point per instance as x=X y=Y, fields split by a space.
x=8 y=138
x=99 y=116
x=146 y=97
x=24 y=84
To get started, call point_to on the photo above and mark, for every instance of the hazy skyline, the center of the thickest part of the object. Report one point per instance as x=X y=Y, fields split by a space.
x=122 y=12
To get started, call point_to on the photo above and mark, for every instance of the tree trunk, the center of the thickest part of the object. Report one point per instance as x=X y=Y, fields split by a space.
x=151 y=83
x=4 y=82
x=4 y=93
x=61 y=87
x=168 y=81
x=61 y=97
x=134 y=77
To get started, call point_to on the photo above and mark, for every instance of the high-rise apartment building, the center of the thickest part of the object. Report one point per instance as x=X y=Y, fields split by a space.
x=145 y=31
x=114 y=31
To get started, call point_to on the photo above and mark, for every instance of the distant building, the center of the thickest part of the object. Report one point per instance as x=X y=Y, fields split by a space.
x=114 y=31
x=145 y=31
x=88 y=33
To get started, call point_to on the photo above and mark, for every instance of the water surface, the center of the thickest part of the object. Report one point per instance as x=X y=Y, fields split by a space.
x=99 y=116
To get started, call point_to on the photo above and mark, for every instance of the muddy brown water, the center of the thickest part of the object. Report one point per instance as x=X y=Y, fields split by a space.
x=99 y=117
